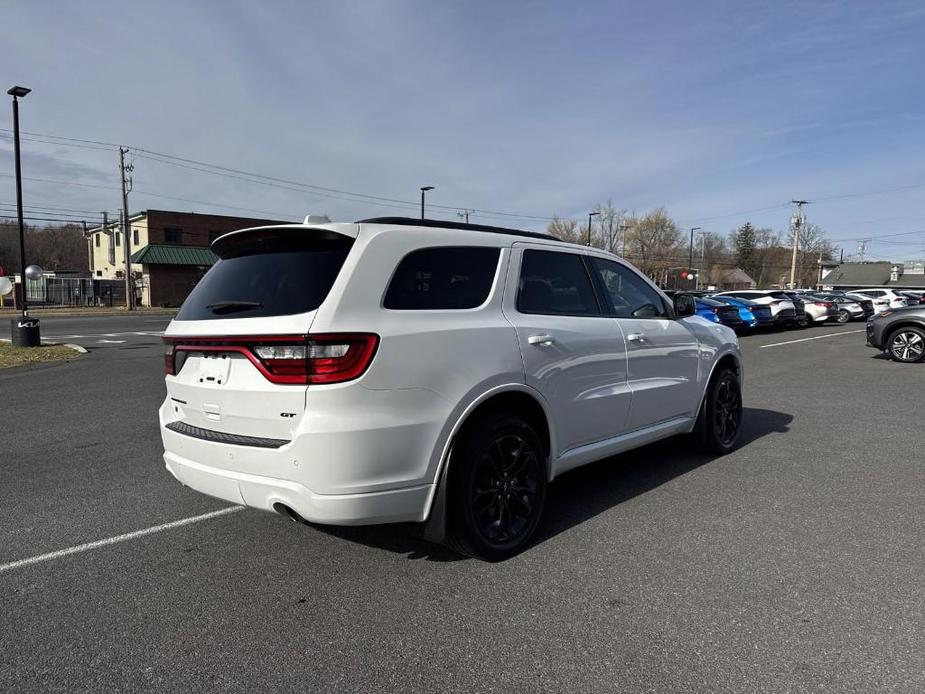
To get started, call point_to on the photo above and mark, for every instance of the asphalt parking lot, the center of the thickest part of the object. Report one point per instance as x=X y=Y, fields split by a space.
x=794 y=564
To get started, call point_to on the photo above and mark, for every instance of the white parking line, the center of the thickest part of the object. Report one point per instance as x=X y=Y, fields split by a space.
x=114 y=540
x=807 y=339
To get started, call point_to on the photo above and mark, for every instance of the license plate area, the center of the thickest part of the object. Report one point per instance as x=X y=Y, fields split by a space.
x=214 y=368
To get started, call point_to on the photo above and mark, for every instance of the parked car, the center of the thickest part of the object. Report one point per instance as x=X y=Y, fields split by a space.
x=879 y=303
x=755 y=315
x=913 y=298
x=816 y=312
x=845 y=308
x=396 y=370
x=900 y=333
x=782 y=308
x=719 y=312
x=896 y=300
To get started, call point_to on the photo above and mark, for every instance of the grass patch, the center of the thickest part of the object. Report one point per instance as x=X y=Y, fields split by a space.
x=17 y=356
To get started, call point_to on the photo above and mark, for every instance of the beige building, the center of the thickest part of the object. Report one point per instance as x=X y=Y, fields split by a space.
x=106 y=247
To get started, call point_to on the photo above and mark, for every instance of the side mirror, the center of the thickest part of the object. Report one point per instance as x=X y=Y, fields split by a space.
x=684 y=305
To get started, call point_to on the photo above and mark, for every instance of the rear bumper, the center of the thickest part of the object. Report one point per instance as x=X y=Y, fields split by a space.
x=257 y=491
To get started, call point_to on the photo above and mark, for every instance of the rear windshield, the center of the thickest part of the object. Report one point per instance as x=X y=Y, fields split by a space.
x=280 y=278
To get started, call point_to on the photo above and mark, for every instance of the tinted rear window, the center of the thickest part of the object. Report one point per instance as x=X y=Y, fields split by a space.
x=284 y=278
x=443 y=278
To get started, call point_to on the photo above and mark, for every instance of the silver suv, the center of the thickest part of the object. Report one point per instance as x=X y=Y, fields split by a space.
x=405 y=370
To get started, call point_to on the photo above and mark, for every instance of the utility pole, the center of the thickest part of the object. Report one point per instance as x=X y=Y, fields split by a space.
x=796 y=223
x=464 y=214
x=126 y=232
x=623 y=229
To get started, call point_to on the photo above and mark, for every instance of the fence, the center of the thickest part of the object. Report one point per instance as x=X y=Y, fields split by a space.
x=53 y=292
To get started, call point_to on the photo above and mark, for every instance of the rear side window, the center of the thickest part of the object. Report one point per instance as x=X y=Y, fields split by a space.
x=555 y=283
x=449 y=277
x=268 y=277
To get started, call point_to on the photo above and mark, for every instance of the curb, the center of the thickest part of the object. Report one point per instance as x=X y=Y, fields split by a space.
x=71 y=345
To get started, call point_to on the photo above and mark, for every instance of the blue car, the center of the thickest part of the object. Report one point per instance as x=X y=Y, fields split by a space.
x=754 y=315
x=718 y=312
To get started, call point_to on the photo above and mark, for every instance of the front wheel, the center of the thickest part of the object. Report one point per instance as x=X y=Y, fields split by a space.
x=907 y=345
x=497 y=488
x=721 y=413
x=843 y=316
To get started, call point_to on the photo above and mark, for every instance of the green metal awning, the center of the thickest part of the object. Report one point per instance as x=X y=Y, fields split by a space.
x=168 y=254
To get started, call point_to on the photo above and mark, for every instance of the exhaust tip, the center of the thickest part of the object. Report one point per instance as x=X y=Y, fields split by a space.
x=284 y=510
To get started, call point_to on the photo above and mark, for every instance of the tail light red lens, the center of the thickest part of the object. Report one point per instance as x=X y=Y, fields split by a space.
x=774 y=303
x=289 y=359
x=824 y=304
x=169 y=358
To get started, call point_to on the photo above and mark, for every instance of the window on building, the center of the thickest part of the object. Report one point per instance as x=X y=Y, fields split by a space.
x=96 y=238
x=99 y=273
x=135 y=237
x=173 y=235
x=118 y=236
x=443 y=278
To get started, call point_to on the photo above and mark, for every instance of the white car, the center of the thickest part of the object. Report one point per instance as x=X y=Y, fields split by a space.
x=397 y=370
x=783 y=310
x=882 y=297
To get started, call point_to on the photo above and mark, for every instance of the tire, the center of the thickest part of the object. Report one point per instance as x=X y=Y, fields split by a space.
x=497 y=488
x=810 y=323
x=906 y=345
x=720 y=420
x=843 y=316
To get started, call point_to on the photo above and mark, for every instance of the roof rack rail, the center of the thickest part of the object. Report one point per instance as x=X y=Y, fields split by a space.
x=436 y=223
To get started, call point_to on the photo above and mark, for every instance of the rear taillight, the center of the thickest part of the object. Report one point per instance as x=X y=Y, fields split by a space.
x=289 y=359
x=169 y=358
x=824 y=304
x=774 y=303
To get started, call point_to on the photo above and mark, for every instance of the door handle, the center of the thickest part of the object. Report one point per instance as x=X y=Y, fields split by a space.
x=636 y=337
x=541 y=340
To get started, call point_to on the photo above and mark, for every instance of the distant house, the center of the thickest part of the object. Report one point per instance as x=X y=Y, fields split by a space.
x=907 y=275
x=737 y=278
x=170 y=251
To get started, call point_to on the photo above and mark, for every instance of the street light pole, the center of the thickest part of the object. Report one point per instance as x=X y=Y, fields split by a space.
x=424 y=189
x=24 y=330
x=690 y=256
x=590 y=215
x=17 y=93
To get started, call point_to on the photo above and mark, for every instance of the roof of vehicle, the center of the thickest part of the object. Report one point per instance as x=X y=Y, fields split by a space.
x=441 y=224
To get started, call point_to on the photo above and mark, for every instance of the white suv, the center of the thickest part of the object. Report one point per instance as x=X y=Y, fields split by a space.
x=407 y=370
x=883 y=298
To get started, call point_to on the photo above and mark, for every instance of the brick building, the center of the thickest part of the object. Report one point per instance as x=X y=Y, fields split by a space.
x=170 y=251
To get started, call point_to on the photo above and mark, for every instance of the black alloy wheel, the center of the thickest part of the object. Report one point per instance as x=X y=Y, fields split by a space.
x=907 y=345
x=720 y=420
x=843 y=315
x=497 y=488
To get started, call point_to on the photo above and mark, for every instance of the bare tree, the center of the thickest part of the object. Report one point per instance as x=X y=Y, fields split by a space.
x=653 y=243
x=564 y=229
x=610 y=224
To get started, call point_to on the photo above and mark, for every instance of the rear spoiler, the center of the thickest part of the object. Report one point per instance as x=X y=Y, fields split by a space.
x=284 y=238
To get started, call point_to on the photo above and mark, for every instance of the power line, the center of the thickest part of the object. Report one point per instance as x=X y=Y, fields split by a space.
x=323 y=191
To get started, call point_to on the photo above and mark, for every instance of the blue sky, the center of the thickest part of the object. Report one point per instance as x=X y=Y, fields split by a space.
x=720 y=111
